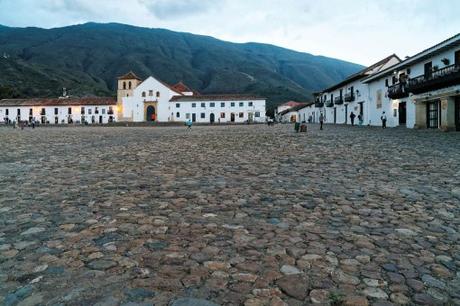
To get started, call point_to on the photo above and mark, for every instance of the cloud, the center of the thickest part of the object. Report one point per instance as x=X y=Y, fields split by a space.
x=362 y=31
x=166 y=9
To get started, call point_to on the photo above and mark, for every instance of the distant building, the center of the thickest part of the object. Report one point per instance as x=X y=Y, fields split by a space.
x=281 y=110
x=59 y=111
x=154 y=100
x=294 y=114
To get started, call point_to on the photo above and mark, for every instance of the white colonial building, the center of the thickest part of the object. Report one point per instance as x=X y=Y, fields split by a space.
x=154 y=100
x=282 y=112
x=351 y=95
x=423 y=91
x=62 y=110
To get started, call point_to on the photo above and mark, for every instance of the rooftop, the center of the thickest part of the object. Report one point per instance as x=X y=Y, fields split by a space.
x=215 y=98
x=58 y=101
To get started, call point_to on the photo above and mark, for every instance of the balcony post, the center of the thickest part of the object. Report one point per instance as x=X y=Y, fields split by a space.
x=448 y=114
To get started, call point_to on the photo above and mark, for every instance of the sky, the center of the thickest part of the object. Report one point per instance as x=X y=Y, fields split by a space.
x=359 y=31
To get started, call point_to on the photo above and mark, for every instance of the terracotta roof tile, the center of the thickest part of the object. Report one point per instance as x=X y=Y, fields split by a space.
x=215 y=98
x=130 y=76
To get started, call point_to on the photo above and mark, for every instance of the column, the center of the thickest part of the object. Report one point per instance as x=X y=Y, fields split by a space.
x=447 y=114
x=420 y=115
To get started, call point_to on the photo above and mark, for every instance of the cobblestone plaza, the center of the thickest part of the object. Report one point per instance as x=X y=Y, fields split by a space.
x=229 y=215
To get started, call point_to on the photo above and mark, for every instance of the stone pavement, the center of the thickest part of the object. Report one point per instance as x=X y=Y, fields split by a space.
x=234 y=215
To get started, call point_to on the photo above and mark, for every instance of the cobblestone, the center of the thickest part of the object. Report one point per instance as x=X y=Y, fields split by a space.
x=229 y=215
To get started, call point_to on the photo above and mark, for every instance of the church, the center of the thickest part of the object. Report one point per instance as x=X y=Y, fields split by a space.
x=154 y=100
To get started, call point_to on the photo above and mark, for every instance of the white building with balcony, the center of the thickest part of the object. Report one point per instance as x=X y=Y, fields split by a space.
x=423 y=91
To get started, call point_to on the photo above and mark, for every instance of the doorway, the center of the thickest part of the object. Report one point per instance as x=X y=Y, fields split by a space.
x=335 y=115
x=212 y=118
x=432 y=119
x=150 y=113
x=346 y=114
x=193 y=117
x=402 y=113
x=232 y=117
x=457 y=112
x=100 y=119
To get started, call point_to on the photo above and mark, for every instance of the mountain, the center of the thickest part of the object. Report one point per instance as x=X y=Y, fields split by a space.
x=87 y=58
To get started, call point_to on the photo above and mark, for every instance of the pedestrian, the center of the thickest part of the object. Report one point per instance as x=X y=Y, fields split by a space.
x=352 y=118
x=384 y=120
x=321 y=121
x=360 y=120
x=188 y=123
x=33 y=123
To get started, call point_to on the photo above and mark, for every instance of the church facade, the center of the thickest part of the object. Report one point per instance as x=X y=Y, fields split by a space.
x=154 y=100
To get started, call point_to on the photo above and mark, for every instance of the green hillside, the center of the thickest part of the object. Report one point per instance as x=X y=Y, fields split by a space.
x=87 y=58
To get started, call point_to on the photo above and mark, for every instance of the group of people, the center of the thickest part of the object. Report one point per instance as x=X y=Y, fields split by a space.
x=383 y=118
x=20 y=124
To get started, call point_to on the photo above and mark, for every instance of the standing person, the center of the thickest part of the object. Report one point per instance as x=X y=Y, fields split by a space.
x=321 y=121
x=352 y=118
x=384 y=120
x=188 y=123
x=33 y=123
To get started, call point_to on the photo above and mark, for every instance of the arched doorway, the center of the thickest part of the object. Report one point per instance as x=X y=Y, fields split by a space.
x=212 y=118
x=151 y=113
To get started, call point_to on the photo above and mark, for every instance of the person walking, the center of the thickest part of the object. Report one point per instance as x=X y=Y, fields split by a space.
x=384 y=120
x=352 y=118
x=321 y=121
x=188 y=123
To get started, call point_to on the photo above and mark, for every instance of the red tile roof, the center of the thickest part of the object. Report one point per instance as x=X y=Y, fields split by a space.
x=58 y=101
x=130 y=76
x=291 y=104
x=215 y=98
x=181 y=87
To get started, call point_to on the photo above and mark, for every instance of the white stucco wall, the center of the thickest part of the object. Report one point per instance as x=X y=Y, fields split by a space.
x=62 y=114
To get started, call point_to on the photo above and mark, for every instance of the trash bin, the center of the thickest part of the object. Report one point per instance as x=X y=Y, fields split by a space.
x=297 y=126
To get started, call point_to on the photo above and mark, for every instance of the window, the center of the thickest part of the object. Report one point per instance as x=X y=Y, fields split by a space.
x=222 y=115
x=193 y=105
x=70 y=111
x=222 y=104
x=30 y=112
x=393 y=80
x=56 y=110
x=124 y=85
x=177 y=105
x=89 y=111
x=212 y=104
x=386 y=83
x=82 y=110
x=143 y=94
x=43 y=112
x=19 y=112
x=96 y=110
x=203 y=115
x=103 y=111
x=150 y=93
x=158 y=94
x=241 y=104
x=232 y=104
x=177 y=115
x=203 y=104
x=378 y=99
x=241 y=115
x=250 y=104
x=257 y=114
x=187 y=116
x=129 y=85
x=7 y=111
x=110 y=112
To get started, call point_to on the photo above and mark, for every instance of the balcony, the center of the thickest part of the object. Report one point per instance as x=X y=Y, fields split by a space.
x=329 y=103
x=338 y=100
x=444 y=77
x=349 y=97
x=319 y=104
x=398 y=91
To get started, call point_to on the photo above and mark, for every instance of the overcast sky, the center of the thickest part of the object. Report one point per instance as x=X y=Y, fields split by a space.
x=360 y=31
